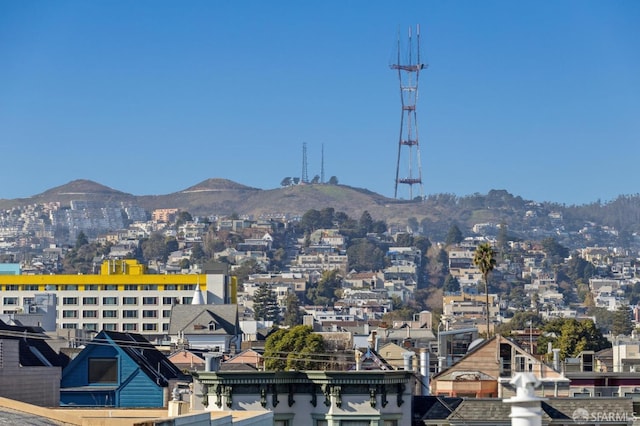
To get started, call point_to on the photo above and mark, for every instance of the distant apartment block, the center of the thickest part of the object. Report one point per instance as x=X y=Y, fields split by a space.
x=164 y=215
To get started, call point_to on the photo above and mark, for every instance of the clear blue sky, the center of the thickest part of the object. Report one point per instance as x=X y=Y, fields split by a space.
x=150 y=97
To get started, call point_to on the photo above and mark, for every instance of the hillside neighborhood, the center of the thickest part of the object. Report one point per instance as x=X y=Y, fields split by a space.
x=301 y=317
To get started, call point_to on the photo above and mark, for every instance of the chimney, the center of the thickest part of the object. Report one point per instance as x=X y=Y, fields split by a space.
x=526 y=408
x=556 y=359
x=407 y=360
x=424 y=370
x=211 y=362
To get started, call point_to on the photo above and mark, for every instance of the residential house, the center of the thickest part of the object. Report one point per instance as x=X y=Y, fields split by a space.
x=207 y=327
x=488 y=367
x=30 y=370
x=119 y=370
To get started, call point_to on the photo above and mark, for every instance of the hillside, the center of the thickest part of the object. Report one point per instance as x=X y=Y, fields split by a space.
x=435 y=214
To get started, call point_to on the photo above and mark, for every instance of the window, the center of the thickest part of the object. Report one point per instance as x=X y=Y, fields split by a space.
x=149 y=327
x=10 y=300
x=110 y=314
x=189 y=286
x=69 y=314
x=70 y=287
x=89 y=300
x=523 y=364
x=167 y=300
x=110 y=327
x=69 y=325
x=110 y=287
x=166 y=313
x=68 y=301
x=187 y=300
x=131 y=287
x=149 y=314
x=109 y=300
x=91 y=287
x=31 y=287
x=103 y=370
x=170 y=287
x=12 y=287
x=129 y=327
x=129 y=300
x=149 y=300
x=129 y=314
x=90 y=314
x=150 y=287
x=165 y=327
x=90 y=326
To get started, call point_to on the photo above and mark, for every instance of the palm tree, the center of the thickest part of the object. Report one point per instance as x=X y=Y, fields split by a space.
x=485 y=259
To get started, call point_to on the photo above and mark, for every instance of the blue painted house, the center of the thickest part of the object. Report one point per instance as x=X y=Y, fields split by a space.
x=118 y=370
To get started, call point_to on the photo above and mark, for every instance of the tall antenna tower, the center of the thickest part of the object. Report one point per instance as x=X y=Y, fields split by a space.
x=305 y=177
x=408 y=146
x=322 y=165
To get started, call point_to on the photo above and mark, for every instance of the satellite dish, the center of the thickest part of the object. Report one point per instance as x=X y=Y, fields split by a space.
x=474 y=344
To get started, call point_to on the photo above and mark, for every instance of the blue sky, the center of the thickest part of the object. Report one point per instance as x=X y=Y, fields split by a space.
x=150 y=97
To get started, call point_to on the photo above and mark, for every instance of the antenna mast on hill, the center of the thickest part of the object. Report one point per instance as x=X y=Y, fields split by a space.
x=322 y=165
x=305 y=177
x=408 y=146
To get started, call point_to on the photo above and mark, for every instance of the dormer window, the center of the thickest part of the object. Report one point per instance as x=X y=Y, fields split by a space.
x=213 y=326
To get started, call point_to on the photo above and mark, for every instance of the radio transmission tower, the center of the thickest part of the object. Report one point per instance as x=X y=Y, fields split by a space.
x=408 y=146
x=305 y=177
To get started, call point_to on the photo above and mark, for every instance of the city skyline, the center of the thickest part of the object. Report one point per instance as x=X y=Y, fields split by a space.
x=151 y=98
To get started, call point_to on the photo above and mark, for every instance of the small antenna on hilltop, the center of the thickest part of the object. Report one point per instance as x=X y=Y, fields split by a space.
x=305 y=177
x=322 y=165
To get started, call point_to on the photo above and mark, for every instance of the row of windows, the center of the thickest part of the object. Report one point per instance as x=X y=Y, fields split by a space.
x=95 y=287
x=106 y=301
x=68 y=313
x=114 y=326
x=112 y=300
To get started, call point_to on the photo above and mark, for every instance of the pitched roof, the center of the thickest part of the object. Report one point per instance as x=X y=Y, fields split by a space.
x=150 y=360
x=194 y=319
x=434 y=409
x=33 y=349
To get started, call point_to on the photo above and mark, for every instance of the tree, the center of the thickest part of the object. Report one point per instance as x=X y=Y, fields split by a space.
x=454 y=236
x=248 y=267
x=572 y=337
x=333 y=180
x=365 y=224
x=183 y=217
x=554 y=250
x=81 y=240
x=404 y=240
x=286 y=182
x=451 y=284
x=365 y=256
x=413 y=224
x=622 y=321
x=197 y=254
x=485 y=259
x=265 y=304
x=155 y=247
x=292 y=315
x=324 y=293
x=297 y=348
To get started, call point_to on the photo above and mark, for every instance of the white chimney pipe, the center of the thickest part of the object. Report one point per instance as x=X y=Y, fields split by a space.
x=424 y=370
